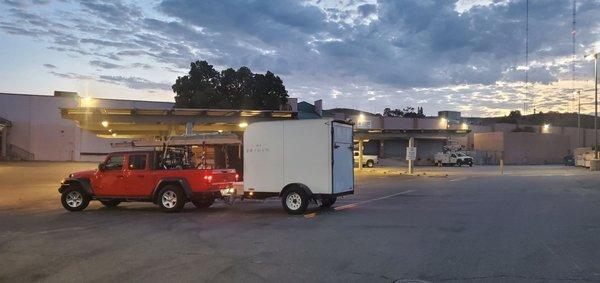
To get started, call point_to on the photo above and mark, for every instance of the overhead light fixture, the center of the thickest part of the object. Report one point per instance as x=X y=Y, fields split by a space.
x=86 y=101
x=114 y=135
x=220 y=131
x=110 y=130
x=104 y=124
x=243 y=124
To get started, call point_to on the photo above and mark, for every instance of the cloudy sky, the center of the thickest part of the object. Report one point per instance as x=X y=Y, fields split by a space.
x=466 y=55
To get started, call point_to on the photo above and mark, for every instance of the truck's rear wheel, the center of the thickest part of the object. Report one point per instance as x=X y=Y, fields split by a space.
x=204 y=203
x=459 y=163
x=171 y=199
x=295 y=201
x=370 y=163
x=74 y=200
x=110 y=203
x=327 y=201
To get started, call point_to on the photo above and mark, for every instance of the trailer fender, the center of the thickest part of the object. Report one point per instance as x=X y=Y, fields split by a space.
x=181 y=182
x=83 y=184
x=296 y=185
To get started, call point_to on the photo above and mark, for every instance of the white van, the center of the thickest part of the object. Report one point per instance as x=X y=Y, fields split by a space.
x=300 y=161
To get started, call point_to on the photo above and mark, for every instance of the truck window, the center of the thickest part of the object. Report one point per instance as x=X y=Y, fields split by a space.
x=453 y=155
x=136 y=162
x=114 y=162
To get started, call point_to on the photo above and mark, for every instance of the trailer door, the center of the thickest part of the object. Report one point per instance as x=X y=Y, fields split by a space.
x=343 y=172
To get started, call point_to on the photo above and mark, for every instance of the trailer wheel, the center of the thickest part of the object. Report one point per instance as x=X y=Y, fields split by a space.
x=295 y=201
x=327 y=201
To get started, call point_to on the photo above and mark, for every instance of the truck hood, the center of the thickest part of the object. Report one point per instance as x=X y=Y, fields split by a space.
x=82 y=174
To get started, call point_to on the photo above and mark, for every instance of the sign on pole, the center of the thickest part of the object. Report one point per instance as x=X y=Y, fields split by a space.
x=411 y=153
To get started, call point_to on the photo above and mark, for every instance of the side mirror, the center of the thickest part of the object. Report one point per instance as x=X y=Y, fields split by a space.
x=101 y=167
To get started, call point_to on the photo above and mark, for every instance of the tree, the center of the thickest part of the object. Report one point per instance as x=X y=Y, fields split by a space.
x=204 y=87
x=407 y=112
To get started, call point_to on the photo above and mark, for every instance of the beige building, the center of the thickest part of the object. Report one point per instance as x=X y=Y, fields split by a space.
x=36 y=130
x=521 y=148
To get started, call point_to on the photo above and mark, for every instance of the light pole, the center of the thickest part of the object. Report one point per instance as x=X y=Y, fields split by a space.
x=594 y=57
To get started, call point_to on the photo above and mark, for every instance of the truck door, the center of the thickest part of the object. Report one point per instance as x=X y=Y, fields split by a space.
x=111 y=181
x=138 y=180
x=343 y=171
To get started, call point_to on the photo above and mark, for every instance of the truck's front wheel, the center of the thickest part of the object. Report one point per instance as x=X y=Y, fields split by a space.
x=295 y=201
x=171 y=199
x=74 y=200
x=370 y=163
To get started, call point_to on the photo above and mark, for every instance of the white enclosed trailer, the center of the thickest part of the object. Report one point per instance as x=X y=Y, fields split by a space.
x=300 y=161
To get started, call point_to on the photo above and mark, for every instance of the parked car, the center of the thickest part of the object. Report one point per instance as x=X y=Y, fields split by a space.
x=145 y=176
x=368 y=160
x=452 y=158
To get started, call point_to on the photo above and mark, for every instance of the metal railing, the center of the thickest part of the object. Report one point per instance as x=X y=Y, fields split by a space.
x=15 y=152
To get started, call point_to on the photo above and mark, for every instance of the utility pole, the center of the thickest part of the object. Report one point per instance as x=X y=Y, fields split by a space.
x=579 y=118
x=594 y=56
x=526 y=57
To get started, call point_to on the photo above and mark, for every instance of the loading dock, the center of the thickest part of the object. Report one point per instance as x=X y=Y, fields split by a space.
x=410 y=136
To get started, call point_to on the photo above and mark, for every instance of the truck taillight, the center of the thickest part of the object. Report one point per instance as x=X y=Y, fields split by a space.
x=208 y=178
x=237 y=177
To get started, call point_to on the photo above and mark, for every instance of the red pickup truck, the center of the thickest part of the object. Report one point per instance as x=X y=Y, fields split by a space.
x=139 y=176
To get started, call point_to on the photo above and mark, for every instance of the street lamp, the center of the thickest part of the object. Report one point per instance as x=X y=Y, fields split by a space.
x=594 y=57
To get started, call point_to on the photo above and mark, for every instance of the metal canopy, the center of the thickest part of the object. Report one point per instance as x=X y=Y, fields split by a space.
x=364 y=134
x=134 y=122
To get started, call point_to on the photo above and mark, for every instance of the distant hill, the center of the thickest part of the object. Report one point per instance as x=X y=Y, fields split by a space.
x=552 y=118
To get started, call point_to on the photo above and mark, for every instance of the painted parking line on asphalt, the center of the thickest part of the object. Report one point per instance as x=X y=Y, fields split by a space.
x=352 y=205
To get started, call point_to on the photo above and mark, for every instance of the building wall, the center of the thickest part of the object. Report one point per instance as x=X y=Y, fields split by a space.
x=535 y=148
x=398 y=123
x=521 y=148
x=38 y=128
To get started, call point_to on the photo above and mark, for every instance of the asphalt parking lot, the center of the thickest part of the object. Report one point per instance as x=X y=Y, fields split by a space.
x=537 y=223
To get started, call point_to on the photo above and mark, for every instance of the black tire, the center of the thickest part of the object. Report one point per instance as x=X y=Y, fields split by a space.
x=204 y=203
x=471 y=164
x=459 y=163
x=74 y=200
x=298 y=201
x=370 y=163
x=171 y=199
x=327 y=201
x=110 y=203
